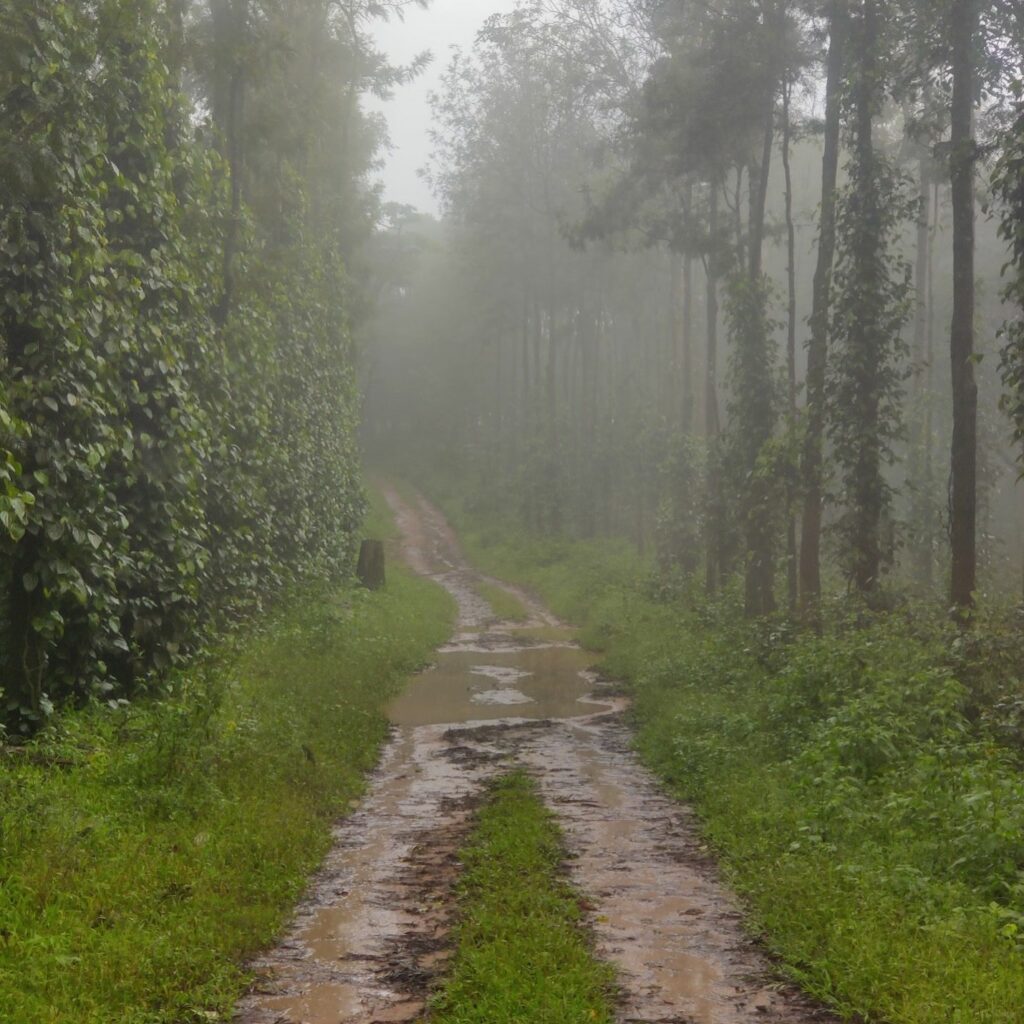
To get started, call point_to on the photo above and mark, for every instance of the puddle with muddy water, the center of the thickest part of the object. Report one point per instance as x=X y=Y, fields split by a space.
x=371 y=937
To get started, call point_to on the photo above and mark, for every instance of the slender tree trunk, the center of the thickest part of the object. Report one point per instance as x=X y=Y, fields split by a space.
x=712 y=423
x=713 y=527
x=176 y=44
x=738 y=218
x=672 y=394
x=588 y=400
x=963 y=463
x=865 y=486
x=26 y=660
x=760 y=542
x=687 y=361
x=817 y=348
x=758 y=185
x=230 y=26
x=929 y=390
x=921 y=544
x=791 y=551
x=536 y=352
x=921 y=296
x=686 y=337
x=499 y=397
x=522 y=418
x=553 y=502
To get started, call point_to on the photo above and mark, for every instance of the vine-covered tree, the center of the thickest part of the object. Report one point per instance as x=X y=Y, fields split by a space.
x=177 y=376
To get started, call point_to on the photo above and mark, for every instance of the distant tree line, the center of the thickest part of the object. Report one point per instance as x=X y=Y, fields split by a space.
x=183 y=193
x=805 y=179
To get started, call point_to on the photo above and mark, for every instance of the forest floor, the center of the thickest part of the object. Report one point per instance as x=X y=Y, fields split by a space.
x=373 y=937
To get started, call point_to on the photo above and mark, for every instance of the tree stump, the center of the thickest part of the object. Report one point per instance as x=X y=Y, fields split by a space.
x=370 y=570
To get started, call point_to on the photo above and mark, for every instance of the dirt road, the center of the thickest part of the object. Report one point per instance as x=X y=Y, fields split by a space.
x=372 y=934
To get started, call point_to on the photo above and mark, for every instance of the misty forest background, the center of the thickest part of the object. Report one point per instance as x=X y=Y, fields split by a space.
x=693 y=286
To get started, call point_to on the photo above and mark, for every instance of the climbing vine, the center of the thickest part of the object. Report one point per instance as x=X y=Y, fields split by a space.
x=1009 y=187
x=159 y=471
x=872 y=290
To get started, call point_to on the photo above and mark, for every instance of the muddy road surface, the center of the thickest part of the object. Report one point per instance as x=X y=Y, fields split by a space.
x=372 y=936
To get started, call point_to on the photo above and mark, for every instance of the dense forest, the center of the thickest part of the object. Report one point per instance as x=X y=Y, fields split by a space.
x=714 y=278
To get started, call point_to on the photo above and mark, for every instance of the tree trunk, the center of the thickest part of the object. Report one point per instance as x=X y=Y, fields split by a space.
x=963 y=475
x=370 y=568
x=865 y=489
x=713 y=528
x=791 y=553
x=760 y=542
x=817 y=348
x=929 y=391
x=711 y=418
x=741 y=247
x=230 y=26
x=686 y=337
x=25 y=656
x=176 y=42
x=921 y=542
x=671 y=392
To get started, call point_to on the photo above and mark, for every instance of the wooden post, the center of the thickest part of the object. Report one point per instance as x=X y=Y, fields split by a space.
x=370 y=569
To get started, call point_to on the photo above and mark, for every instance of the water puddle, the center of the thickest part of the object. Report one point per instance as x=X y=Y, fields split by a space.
x=371 y=938
x=542 y=682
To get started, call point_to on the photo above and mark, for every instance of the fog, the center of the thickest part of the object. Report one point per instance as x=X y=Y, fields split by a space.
x=437 y=29
x=617 y=317
x=738 y=285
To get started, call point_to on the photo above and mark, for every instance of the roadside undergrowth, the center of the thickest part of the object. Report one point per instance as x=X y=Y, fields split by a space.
x=521 y=951
x=864 y=788
x=145 y=853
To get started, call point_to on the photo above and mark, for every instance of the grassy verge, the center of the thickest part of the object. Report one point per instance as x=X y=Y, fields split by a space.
x=521 y=954
x=864 y=788
x=145 y=853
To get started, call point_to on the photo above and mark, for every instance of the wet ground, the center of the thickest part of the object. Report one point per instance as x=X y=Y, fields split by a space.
x=371 y=937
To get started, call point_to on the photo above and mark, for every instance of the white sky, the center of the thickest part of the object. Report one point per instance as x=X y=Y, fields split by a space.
x=445 y=24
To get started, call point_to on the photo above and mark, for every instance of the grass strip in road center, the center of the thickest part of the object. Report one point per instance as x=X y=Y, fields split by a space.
x=505 y=605
x=522 y=952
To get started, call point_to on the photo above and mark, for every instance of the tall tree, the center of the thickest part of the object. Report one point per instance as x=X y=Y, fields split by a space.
x=817 y=347
x=870 y=307
x=963 y=22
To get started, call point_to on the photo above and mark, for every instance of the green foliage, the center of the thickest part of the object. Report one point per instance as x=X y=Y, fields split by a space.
x=584 y=581
x=145 y=854
x=158 y=473
x=874 y=829
x=1008 y=185
x=680 y=518
x=521 y=953
x=93 y=275
x=861 y=786
x=754 y=411
x=871 y=304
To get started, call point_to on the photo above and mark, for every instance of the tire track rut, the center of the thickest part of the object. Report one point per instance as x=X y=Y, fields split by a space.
x=370 y=939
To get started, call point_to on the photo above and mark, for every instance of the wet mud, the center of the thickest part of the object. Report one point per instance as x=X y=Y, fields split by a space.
x=371 y=939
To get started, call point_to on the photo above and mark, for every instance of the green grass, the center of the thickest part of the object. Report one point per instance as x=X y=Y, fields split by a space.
x=864 y=789
x=505 y=605
x=521 y=952
x=145 y=853
x=589 y=583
